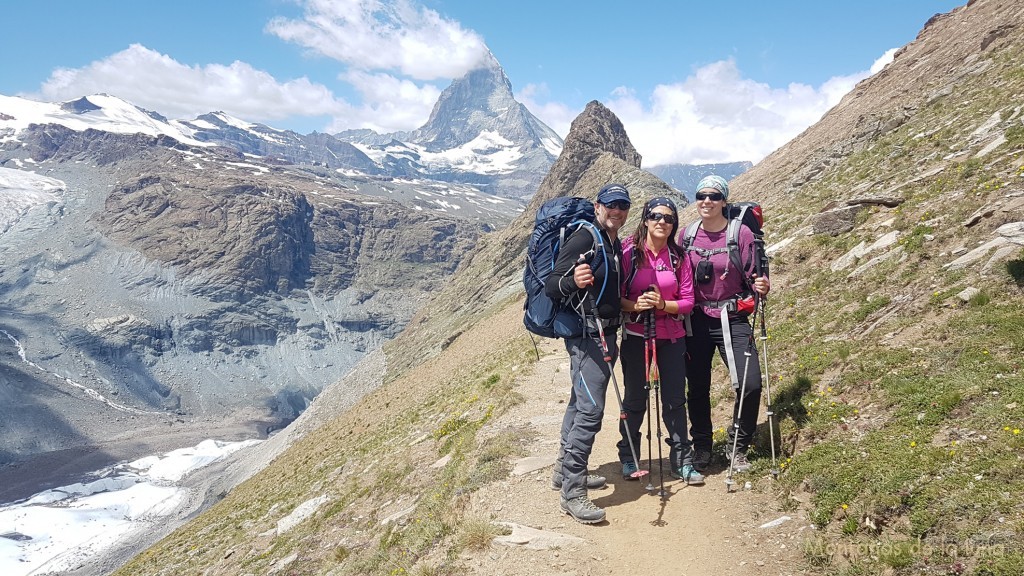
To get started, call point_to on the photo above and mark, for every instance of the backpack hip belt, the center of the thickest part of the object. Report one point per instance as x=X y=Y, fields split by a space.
x=728 y=306
x=606 y=323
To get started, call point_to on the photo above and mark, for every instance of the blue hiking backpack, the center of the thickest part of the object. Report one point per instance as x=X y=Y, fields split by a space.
x=555 y=221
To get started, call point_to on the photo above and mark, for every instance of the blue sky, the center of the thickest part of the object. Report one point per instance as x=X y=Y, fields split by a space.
x=693 y=82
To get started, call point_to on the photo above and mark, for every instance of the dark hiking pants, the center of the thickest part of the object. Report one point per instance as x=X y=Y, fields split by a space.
x=672 y=366
x=700 y=347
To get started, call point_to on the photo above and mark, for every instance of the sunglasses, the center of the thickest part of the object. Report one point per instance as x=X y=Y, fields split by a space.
x=658 y=217
x=617 y=205
x=716 y=197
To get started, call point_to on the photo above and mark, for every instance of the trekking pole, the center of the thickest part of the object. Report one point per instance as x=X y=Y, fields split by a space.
x=739 y=405
x=656 y=380
x=768 y=387
x=615 y=383
x=647 y=388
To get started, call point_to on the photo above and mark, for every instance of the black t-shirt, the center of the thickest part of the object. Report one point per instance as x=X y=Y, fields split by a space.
x=560 y=284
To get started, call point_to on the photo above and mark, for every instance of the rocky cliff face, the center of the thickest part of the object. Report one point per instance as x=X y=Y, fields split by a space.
x=196 y=288
x=479 y=101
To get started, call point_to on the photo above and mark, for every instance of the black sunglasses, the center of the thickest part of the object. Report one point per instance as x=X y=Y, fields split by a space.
x=617 y=204
x=716 y=197
x=658 y=217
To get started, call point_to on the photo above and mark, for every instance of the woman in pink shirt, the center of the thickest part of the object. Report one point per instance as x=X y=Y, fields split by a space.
x=658 y=281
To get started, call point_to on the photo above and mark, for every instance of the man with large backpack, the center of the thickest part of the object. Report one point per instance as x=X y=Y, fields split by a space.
x=589 y=278
x=725 y=256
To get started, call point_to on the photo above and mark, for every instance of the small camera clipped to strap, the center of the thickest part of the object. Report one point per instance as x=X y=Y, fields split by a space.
x=703 y=272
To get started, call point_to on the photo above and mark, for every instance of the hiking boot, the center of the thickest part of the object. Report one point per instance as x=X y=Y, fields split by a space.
x=582 y=510
x=628 y=471
x=740 y=462
x=701 y=459
x=688 y=474
x=594 y=481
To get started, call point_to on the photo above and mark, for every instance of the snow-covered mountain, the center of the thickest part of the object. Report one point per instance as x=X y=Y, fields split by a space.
x=477 y=135
x=97 y=112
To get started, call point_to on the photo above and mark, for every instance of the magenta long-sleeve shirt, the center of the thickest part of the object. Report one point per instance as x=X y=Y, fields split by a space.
x=674 y=284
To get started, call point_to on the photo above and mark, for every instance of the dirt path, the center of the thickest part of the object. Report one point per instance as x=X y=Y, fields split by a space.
x=692 y=530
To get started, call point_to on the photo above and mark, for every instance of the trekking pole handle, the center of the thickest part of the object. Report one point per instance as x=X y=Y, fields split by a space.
x=585 y=257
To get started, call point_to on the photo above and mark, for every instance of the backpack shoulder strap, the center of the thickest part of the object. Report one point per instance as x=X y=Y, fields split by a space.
x=598 y=246
x=633 y=262
x=674 y=259
x=689 y=233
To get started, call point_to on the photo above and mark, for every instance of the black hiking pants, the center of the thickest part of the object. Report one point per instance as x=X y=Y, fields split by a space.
x=701 y=345
x=638 y=397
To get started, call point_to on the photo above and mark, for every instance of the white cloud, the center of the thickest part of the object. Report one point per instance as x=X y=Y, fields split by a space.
x=883 y=60
x=556 y=115
x=390 y=48
x=388 y=51
x=158 y=82
x=717 y=115
x=392 y=36
x=389 y=104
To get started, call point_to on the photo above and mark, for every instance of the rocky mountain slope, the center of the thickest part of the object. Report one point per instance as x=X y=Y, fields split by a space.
x=895 y=328
x=596 y=151
x=186 y=289
x=209 y=277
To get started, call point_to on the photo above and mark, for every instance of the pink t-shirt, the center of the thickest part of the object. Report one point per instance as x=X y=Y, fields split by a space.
x=674 y=284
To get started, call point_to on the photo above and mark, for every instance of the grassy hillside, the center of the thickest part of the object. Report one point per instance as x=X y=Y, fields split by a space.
x=897 y=377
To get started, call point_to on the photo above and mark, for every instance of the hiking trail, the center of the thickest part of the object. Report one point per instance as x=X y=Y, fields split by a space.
x=692 y=530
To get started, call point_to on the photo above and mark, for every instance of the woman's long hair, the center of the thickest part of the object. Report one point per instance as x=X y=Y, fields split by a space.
x=640 y=235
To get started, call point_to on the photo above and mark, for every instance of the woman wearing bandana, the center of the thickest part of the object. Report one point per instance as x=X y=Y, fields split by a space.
x=721 y=290
x=658 y=282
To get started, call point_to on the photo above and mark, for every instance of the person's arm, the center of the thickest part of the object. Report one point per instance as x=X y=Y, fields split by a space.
x=566 y=278
x=684 y=275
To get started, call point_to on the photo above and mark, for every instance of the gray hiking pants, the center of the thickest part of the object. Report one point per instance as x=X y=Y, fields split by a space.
x=582 y=421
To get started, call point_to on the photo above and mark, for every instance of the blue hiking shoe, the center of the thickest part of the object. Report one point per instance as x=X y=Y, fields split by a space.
x=688 y=474
x=629 y=471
